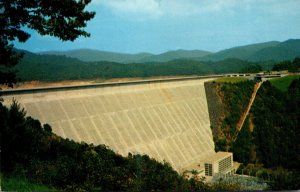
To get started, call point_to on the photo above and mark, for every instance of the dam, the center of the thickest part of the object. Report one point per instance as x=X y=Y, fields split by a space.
x=165 y=119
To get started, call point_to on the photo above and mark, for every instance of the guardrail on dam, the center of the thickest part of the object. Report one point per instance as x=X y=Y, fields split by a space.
x=165 y=119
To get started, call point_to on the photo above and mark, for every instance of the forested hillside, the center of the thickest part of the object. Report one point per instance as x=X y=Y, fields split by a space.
x=268 y=144
x=241 y=52
x=271 y=136
x=57 y=68
x=291 y=66
x=89 y=55
x=286 y=50
x=269 y=51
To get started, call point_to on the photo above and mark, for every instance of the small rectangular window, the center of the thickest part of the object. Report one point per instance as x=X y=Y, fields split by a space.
x=208 y=169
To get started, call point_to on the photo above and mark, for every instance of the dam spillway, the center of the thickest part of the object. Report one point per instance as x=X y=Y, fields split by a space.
x=167 y=120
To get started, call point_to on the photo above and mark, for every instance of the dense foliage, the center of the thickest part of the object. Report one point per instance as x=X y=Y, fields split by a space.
x=291 y=66
x=270 y=136
x=253 y=68
x=231 y=66
x=268 y=143
x=242 y=147
x=31 y=150
x=22 y=184
x=276 y=119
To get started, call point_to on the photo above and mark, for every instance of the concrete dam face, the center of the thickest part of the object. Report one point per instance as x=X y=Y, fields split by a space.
x=167 y=120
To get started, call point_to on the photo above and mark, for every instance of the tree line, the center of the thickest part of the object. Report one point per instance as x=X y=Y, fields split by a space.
x=291 y=66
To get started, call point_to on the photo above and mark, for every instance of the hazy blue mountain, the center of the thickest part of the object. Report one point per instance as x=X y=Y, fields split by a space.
x=95 y=55
x=241 y=52
x=269 y=51
x=41 y=58
x=286 y=50
x=173 y=55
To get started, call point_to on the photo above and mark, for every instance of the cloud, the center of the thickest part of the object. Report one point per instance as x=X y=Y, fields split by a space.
x=286 y=7
x=153 y=9
x=159 y=8
x=195 y=7
x=133 y=8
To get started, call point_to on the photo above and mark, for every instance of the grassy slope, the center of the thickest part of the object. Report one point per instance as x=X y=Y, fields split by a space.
x=283 y=82
x=22 y=184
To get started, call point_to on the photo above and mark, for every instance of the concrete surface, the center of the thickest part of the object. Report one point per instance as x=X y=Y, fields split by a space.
x=167 y=120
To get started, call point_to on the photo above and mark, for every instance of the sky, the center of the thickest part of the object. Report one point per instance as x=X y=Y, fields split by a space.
x=157 y=26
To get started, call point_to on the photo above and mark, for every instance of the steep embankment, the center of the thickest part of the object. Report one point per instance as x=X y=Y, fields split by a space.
x=227 y=102
x=246 y=112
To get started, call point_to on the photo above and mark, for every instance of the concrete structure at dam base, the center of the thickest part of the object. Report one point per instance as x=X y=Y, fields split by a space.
x=218 y=164
x=167 y=120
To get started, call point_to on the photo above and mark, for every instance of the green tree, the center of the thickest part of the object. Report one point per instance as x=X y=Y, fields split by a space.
x=291 y=66
x=59 y=18
x=242 y=146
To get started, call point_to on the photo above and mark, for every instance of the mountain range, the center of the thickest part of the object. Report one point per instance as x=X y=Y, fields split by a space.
x=268 y=51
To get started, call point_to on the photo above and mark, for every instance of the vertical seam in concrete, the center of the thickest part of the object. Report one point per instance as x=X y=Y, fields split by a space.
x=96 y=128
x=172 y=130
x=162 y=128
x=85 y=129
x=74 y=130
x=40 y=113
x=117 y=130
x=126 y=129
x=169 y=128
x=149 y=125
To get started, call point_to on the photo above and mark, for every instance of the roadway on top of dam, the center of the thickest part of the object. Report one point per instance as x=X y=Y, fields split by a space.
x=95 y=85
